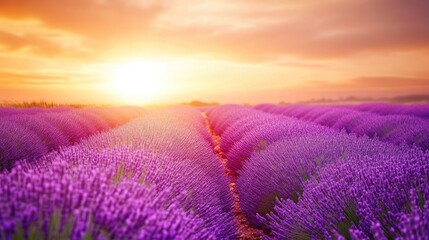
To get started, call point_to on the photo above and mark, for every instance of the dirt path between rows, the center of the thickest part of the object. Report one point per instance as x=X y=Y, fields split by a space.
x=245 y=231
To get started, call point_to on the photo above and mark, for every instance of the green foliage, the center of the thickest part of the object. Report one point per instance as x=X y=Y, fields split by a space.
x=45 y=104
x=59 y=228
x=267 y=204
x=351 y=218
x=261 y=145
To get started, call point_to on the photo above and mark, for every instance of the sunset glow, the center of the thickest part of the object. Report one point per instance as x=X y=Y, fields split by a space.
x=214 y=119
x=221 y=51
x=139 y=81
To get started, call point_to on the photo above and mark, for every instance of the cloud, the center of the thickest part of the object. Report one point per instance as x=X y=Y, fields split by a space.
x=12 y=78
x=80 y=29
x=411 y=98
x=43 y=45
x=240 y=30
x=332 y=29
x=380 y=84
x=88 y=17
x=19 y=78
x=389 y=82
x=374 y=46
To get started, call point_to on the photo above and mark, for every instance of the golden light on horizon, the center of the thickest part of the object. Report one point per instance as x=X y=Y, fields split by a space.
x=166 y=52
x=139 y=82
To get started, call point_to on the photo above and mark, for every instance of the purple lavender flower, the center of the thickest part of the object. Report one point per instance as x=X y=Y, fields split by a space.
x=416 y=110
x=33 y=133
x=16 y=143
x=75 y=200
x=362 y=196
x=153 y=178
x=281 y=170
x=398 y=129
x=259 y=138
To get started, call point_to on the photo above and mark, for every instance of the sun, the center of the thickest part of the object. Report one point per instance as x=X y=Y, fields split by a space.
x=139 y=81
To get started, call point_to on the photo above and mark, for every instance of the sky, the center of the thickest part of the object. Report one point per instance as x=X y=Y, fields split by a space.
x=242 y=51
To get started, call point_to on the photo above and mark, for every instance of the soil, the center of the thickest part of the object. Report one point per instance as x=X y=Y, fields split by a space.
x=245 y=231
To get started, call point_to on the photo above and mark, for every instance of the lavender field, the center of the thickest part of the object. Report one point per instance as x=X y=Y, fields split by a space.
x=215 y=172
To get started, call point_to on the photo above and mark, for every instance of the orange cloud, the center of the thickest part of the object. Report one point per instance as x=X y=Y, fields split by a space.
x=38 y=44
x=108 y=18
x=243 y=31
x=334 y=29
x=389 y=82
x=374 y=84
x=284 y=43
x=11 y=78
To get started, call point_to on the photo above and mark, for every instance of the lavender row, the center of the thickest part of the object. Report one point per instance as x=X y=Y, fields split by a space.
x=398 y=129
x=415 y=110
x=245 y=131
x=153 y=178
x=251 y=132
x=110 y=194
x=33 y=135
x=282 y=169
x=10 y=111
x=222 y=117
x=360 y=197
x=181 y=134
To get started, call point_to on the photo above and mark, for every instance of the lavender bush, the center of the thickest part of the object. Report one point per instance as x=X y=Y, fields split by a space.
x=153 y=178
x=416 y=110
x=362 y=197
x=301 y=172
x=259 y=138
x=34 y=134
x=281 y=170
x=115 y=194
x=399 y=129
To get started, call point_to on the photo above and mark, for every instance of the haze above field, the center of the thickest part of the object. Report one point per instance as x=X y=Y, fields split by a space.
x=165 y=51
